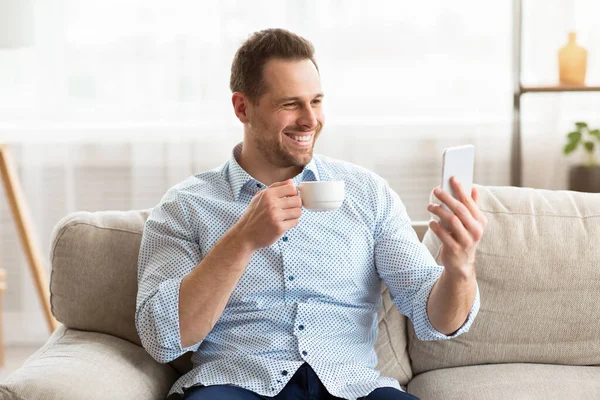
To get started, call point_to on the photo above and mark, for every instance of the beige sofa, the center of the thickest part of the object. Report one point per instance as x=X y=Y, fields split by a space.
x=537 y=335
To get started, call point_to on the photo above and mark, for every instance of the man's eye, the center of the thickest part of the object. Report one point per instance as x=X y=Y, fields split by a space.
x=289 y=104
x=317 y=101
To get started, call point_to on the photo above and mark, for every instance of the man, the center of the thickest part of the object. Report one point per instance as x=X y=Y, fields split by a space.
x=280 y=302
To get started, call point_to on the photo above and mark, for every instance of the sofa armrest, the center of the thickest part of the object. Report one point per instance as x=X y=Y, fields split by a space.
x=76 y=364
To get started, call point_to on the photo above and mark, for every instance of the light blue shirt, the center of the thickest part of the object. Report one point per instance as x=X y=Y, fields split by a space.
x=311 y=297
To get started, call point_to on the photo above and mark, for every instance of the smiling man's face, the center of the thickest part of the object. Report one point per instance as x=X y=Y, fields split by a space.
x=286 y=122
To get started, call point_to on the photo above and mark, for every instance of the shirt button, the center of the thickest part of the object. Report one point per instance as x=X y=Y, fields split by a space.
x=291 y=278
x=284 y=372
x=301 y=327
x=304 y=353
x=258 y=185
x=285 y=238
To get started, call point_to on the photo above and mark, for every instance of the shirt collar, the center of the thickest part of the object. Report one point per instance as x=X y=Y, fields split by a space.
x=238 y=177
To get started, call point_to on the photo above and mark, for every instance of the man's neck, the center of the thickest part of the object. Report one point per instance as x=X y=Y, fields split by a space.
x=260 y=169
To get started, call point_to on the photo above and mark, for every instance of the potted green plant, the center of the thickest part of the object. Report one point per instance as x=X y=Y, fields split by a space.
x=584 y=177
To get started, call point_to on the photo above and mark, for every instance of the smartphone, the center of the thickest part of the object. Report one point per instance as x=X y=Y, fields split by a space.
x=458 y=161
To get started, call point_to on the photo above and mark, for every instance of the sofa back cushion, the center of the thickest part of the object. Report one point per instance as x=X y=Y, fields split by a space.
x=538 y=270
x=93 y=285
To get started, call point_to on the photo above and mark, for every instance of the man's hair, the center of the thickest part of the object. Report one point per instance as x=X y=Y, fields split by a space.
x=260 y=47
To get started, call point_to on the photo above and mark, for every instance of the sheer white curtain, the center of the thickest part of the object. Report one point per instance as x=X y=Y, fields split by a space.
x=120 y=100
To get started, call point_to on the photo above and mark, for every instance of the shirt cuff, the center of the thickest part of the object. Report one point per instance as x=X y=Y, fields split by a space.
x=168 y=298
x=423 y=327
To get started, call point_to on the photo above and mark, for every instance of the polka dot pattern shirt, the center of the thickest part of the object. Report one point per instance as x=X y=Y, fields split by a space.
x=310 y=297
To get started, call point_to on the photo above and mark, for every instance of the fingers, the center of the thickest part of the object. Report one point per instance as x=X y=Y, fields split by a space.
x=475 y=194
x=471 y=204
x=445 y=237
x=284 y=196
x=289 y=224
x=290 y=214
x=460 y=193
x=280 y=195
x=465 y=207
x=451 y=224
x=481 y=218
x=284 y=189
x=463 y=196
x=290 y=202
x=277 y=184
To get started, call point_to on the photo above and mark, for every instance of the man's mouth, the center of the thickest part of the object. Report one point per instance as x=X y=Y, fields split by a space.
x=302 y=140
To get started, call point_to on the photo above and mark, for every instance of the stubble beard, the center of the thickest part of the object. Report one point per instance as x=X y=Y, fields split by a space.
x=273 y=150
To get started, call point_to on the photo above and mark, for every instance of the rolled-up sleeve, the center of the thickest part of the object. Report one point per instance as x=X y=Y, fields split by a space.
x=169 y=251
x=406 y=266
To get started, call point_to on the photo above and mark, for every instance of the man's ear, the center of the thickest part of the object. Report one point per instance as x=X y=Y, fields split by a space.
x=240 y=106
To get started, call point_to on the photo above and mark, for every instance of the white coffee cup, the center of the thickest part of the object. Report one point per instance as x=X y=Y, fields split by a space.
x=322 y=195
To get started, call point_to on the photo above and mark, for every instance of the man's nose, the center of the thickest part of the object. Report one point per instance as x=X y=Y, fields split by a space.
x=308 y=118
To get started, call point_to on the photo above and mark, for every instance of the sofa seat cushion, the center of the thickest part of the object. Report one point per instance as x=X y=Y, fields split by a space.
x=87 y=365
x=508 y=381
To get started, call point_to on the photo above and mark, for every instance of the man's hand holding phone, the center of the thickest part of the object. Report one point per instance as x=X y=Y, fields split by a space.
x=459 y=229
x=461 y=222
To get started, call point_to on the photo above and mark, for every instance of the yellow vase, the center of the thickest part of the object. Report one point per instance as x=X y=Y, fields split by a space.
x=572 y=61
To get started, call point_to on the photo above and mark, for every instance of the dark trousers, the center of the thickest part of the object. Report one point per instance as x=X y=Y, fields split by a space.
x=304 y=385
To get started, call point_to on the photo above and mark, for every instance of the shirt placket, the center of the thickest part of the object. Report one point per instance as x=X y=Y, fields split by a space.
x=289 y=277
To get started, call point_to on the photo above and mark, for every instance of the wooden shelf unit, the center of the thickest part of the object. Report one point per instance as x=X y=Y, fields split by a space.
x=519 y=90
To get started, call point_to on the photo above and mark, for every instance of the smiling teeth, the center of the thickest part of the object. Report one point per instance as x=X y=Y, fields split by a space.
x=301 y=138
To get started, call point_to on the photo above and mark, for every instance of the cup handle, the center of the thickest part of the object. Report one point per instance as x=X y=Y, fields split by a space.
x=299 y=195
